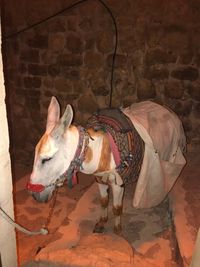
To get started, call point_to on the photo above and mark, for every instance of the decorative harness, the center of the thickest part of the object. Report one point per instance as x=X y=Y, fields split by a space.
x=74 y=167
x=126 y=144
x=76 y=164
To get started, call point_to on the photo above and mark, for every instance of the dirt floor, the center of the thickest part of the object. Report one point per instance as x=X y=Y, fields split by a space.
x=150 y=237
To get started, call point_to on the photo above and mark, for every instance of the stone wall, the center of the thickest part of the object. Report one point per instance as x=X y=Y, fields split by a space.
x=70 y=56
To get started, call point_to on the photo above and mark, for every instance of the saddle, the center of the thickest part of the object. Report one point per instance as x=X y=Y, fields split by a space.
x=126 y=144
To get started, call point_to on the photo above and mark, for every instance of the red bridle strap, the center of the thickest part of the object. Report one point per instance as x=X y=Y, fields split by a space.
x=35 y=187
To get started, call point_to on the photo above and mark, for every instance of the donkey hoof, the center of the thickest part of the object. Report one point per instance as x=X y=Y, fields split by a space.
x=99 y=228
x=117 y=229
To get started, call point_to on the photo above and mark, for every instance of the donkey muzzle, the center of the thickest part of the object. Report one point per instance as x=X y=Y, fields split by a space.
x=35 y=187
x=39 y=192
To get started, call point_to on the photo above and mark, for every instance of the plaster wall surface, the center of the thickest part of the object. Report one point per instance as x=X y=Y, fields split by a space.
x=7 y=233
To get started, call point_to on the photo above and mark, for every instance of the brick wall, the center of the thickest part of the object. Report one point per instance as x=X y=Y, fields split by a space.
x=70 y=56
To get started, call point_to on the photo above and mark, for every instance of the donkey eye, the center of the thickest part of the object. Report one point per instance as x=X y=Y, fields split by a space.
x=45 y=160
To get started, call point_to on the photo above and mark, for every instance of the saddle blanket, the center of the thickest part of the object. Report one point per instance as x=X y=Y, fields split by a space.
x=163 y=135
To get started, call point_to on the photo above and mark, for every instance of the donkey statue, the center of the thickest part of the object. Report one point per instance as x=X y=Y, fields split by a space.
x=142 y=143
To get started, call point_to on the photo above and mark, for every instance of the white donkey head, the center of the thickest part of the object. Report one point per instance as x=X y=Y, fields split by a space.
x=53 y=153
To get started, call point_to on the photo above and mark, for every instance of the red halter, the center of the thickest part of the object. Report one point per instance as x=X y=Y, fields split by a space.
x=35 y=187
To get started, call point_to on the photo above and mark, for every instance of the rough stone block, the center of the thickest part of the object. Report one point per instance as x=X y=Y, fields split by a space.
x=186 y=73
x=57 y=25
x=93 y=60
x=35 y=69
x=100 y=91
x=71 y=74
x=20 y=92
x=54 y=70
x=33 y=94
x=38 y=41
x=78 y=86
x=157 y=73
x=158 y=56
x=19 y=109
x=71 y=60
x=47 y=82
x=11 y=73
x=197 y=59
x=22 y=68
x=86 y=103
x=186 y=57
x=31 y=55
x=86 y=24
x=104 y=42
x=56 y=42
x=72 y=23
x=175 y=41
x=48 y=93
x=175 y=28
x=18 y=80
x=89 y=42
x=155 y=34
x=196 y=110
x=187 y=124
x=64 y=85
x=32 y=82
x=71 y=97
x=182 y=108
x=74 y=43
x=146 y=90
x=194 y=91
x=123 y=86
x=174 y=89
x=129 y=43
x=33 y=103
x=12 y=46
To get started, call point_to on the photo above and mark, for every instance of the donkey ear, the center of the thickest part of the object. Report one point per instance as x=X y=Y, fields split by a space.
x=53 y=114
x=67 y=117
x=64 y=123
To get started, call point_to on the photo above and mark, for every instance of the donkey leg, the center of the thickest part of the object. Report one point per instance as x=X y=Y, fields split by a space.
x=118 y=192
x=99 y=227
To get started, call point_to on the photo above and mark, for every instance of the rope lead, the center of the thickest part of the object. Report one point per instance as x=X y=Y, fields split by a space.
x=42 y=231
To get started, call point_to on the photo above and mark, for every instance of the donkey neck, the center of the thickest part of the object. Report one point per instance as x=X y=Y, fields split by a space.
x=95 y=153
x=77 y=143
x=98 y=157
x=72 y=140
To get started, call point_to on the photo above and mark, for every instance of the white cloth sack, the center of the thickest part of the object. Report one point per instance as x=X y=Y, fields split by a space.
x=163 y=161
